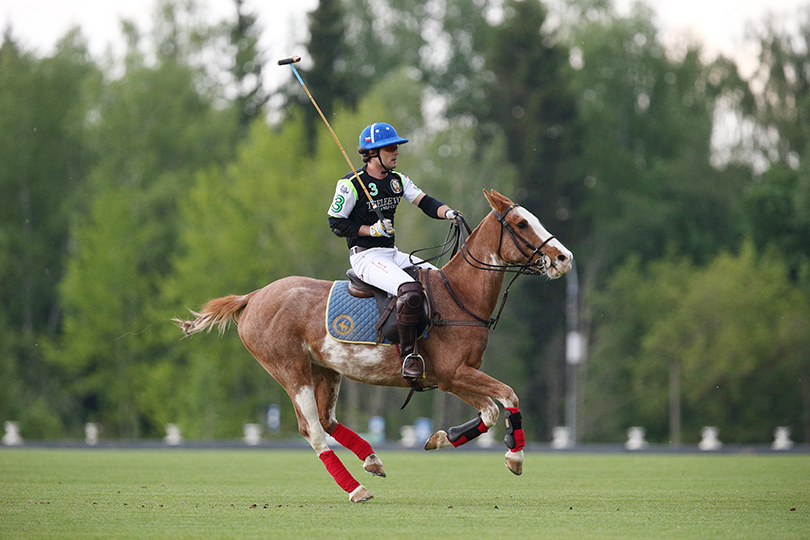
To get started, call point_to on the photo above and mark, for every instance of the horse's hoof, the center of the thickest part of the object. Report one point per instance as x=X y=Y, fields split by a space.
x=360 y=494
x=437 y=440
x=514 y=462
x=373 y=465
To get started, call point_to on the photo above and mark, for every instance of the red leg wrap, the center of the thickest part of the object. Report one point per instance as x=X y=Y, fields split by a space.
x=343 y=478
x=515 y=438
x=352 y=441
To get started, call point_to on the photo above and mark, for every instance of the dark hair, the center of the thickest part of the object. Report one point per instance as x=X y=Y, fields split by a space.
x=365 y=154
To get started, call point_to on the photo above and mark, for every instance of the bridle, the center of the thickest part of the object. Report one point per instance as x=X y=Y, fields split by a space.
x=457 y=241
x=537 y=267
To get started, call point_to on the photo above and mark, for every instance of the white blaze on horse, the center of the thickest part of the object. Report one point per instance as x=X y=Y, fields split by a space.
x=282 y=325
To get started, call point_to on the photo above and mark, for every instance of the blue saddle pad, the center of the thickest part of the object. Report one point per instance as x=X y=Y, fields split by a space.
x=351 y=319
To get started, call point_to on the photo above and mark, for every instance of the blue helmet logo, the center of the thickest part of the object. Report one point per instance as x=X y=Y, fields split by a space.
x=379 y=135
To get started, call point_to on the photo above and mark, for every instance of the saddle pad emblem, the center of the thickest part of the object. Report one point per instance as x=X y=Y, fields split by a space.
x=343 y=325
x=350 y=319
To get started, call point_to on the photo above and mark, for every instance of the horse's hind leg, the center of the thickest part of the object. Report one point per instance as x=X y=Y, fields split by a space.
x=327 y=387
x=306 y=410
x=276 y=344
x=361 y=448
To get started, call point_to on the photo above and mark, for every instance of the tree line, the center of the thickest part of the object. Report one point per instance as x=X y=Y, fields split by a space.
x=136 y=188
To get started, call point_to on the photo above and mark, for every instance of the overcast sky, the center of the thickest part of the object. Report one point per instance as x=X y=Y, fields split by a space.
x=38 y=24
x=719 y=24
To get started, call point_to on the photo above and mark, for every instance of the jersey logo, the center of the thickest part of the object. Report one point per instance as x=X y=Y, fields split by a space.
x=396 y=186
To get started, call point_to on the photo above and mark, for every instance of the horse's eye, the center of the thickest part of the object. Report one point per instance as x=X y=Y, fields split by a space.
x=522 y=225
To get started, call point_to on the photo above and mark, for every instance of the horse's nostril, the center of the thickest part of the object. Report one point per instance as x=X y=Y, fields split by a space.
x=562 y=258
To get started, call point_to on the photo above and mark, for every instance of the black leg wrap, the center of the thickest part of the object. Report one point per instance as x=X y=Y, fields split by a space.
x=514 y=422
x=468 y=429
x=466 y=432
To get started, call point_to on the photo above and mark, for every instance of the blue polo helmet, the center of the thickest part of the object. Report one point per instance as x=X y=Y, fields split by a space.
x=379 y=135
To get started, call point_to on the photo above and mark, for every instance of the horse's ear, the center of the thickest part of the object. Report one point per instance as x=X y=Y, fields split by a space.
x=496 y=200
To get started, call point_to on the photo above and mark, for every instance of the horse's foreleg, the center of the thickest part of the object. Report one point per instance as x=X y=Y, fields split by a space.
x=306 y=409
x=458 y=435
x=515 y=440
x=327 y=388
x=470 y=384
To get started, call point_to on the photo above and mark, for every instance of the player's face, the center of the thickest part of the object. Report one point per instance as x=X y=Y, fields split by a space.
x=388 y=156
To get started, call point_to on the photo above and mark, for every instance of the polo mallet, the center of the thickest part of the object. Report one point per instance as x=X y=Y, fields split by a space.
x=291 y=61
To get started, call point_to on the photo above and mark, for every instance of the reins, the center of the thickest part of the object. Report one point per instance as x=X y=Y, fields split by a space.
x=454 y=240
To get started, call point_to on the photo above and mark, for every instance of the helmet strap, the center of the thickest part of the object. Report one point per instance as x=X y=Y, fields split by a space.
x=385 y=169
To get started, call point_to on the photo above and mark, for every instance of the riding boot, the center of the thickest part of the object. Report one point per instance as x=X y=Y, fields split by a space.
x=410 y=302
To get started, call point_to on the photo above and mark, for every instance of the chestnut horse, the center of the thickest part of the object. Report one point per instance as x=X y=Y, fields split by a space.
x=282 y=325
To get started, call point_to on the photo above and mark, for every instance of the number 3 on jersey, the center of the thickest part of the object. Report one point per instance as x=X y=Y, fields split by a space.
x=337 y=206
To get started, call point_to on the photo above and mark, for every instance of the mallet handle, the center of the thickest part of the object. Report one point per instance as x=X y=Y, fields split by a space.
x=291 y=61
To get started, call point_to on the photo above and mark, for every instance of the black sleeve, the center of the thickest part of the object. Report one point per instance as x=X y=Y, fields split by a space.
x=344 y=227
x=430 y=206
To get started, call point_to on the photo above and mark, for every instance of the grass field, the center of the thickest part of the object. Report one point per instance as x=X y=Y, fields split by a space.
x=278 y=494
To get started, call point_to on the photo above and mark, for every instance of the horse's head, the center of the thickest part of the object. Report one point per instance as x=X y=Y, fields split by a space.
x=525 y=242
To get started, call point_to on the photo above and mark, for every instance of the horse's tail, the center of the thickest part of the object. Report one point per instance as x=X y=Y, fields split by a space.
x=217 y=312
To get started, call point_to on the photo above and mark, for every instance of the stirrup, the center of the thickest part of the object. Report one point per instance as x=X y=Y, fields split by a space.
x=415 y=358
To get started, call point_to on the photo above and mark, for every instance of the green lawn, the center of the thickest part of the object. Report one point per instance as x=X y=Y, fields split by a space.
x=260 y=493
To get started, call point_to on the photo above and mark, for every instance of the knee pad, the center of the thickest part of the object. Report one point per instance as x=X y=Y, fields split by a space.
x=410 y=299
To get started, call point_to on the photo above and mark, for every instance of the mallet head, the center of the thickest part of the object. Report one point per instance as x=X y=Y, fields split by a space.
x=290 y=60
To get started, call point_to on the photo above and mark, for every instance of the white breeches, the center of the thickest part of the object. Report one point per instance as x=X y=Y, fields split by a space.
x=382 y=267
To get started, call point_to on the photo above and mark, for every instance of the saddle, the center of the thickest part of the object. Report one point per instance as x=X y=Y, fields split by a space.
x=386 y=326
